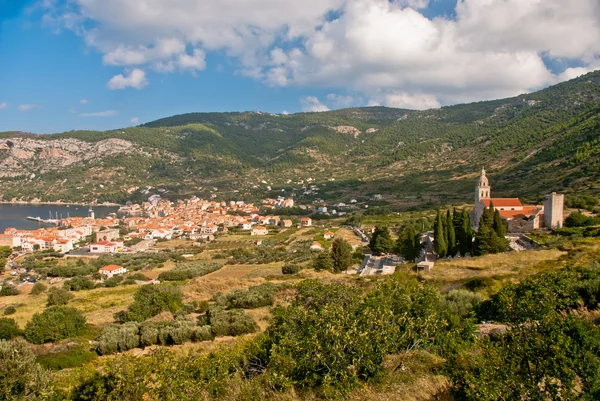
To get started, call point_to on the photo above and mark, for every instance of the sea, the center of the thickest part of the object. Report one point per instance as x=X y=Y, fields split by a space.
x=15 y=215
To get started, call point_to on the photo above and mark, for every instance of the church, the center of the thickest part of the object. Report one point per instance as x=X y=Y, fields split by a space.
x=519 y=218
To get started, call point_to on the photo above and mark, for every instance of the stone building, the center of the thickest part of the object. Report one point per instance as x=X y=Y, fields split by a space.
x=519 y=218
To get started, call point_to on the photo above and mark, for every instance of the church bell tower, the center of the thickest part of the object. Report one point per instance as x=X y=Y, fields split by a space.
x=482 y=190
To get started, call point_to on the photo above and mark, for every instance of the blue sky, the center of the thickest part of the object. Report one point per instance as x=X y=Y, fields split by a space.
x=60 y=60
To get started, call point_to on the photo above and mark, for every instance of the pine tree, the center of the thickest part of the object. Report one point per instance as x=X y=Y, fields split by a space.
x=381 y=242
x=451 y=238
x=323 y=261
x=341 y=253
x=439 y=239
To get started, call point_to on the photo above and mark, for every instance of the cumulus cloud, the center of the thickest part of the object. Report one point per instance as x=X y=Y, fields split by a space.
x=29 y=107
x=387 y=52
x=3 y=105
x=135 y=79
x=312 y=104
x=342 y=101
x=107 y=113
x=135 y=120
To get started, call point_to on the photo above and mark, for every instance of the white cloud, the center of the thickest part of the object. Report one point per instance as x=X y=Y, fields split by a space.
x=285 y=112
x=343 y=101
x=381 y=50
x=83 y=101
x=135 y=120
x=312 y=104
x=406 y=101
x=107 y=113
x=135 y=79
x=29 y=107
x=3 y=105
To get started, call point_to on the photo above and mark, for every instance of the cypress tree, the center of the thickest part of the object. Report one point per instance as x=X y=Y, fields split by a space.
x=409 y=243
x=499 y=225
x=439 y=239
x=451 y=238
x=465 y=236
x=341 y=253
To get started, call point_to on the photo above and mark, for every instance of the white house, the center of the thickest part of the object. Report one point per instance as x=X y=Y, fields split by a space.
x=316 y=246
x=63 y=245
x=306 y=222
x=329 y=235
x=260 y=230
x=245 y=225
x=106 y=247
x=112 y=270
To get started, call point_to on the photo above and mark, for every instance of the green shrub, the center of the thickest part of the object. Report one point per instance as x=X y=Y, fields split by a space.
x=461 y=302
x=150 y=300
x=78 y=283
x=38 y=288
x=181 y=331
x=290 y=268
x=58 y=296
x=254 y=297
x=9 y=310
x=202 y=333
x=21 y=378
x=233 y=322
x=118 y=338
x=53 y=324
x=9 y=290
x=9 y=329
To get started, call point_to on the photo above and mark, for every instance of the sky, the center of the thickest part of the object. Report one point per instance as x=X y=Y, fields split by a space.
x=107 y=64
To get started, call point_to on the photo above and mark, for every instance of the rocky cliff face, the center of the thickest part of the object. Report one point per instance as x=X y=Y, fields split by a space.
x=26 y=156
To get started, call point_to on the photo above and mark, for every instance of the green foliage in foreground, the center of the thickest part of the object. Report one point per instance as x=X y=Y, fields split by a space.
x=55 y=323
x=150 y=300
x=186 y=271
x=21 y=378
x=550 y=359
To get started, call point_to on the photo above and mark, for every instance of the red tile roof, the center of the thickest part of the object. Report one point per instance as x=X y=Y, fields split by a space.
x=110 y=268
x=503 y=202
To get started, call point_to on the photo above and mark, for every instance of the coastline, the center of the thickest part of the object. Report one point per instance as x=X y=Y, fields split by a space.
x=106 y=204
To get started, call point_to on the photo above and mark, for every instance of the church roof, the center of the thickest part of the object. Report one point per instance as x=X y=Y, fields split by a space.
x=520 y=214
x=503 y=202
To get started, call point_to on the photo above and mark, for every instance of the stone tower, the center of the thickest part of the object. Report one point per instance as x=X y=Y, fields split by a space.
x=553 y=210
x=482 y=190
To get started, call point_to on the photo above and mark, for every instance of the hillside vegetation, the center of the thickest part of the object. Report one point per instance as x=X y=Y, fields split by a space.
x=549 y=140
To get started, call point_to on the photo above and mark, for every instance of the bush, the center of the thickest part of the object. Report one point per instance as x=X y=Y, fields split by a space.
x=118 y=338
x=461 y=302
x=8 y=290
x=53 y=324
x=233 y=322
x=290 y=268
x=578 y=219
x=150 y=300
x=9 y=310
x=9 y=329
x=38 y=288
x=78 y=284
x=186 y=271
x=254 y=297
x=21 y=378
x=202 y=333
x=58 y=296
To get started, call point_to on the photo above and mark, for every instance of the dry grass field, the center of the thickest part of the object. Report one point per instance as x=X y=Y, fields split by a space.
x=508 y=266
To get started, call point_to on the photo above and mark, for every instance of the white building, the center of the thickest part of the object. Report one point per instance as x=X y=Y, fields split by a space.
x=112 y=270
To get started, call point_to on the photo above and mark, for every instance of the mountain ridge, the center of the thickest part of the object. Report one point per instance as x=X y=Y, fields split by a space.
x=548 y=139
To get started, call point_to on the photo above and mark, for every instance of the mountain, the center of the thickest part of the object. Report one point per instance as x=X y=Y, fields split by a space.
x=531 y=144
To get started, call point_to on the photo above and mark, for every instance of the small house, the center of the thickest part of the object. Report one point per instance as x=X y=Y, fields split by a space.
x=111 y=271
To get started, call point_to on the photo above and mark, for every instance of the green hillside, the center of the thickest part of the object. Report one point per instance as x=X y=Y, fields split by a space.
x=533 y=143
